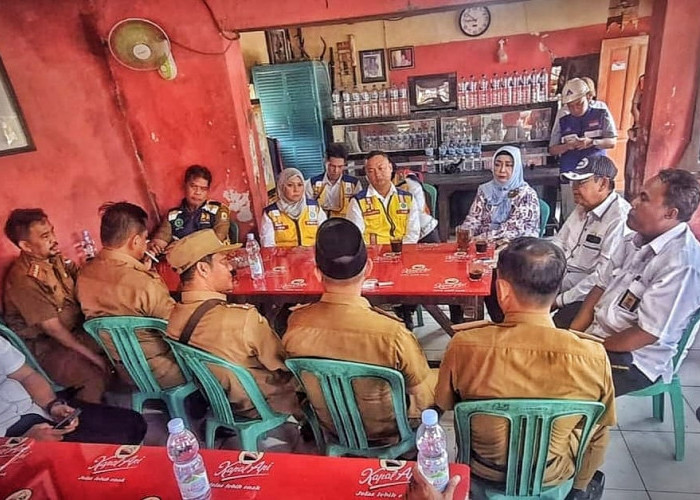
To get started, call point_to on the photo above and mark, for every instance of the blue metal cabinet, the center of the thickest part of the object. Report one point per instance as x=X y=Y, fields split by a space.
x=295 y=99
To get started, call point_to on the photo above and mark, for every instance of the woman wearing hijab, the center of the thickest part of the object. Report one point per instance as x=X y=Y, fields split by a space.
x=293 y=219
x=506 y=207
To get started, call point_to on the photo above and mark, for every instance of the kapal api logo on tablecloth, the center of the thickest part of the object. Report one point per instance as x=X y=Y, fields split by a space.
x=389 y=473
x=416 y=270
x=125 y=457
x=295 y=284
x=250 y=464
x=449 y=284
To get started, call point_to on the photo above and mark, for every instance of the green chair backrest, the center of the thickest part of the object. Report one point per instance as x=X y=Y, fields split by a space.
x=122 y=332
x=335 y=379
x=197 y=362
x=432 y=197
x=544 y=216
x=19 y=344
x=685 y=338
x=530 y=422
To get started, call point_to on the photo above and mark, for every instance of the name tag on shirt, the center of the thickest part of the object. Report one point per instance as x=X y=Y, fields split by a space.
x=632 y=297
x=405 y=211
x=594 y=239
x=371 y=212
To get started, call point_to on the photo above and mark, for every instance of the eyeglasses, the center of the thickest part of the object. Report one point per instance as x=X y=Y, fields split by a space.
x=581 y=182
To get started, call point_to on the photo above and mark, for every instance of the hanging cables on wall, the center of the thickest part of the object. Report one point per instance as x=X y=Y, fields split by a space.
x=227 y=34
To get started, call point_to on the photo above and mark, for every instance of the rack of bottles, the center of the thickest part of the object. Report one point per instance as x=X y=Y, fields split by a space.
x=366 y=102
x=526 y=87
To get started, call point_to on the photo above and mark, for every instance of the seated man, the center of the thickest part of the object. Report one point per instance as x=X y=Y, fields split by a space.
x=28 y=407
x=594 y=229
x=343 y=326
x=195 y=212
x=233 y=332
x=119 y=282
x=646 y=294
x=382 y=212
x=428 y=224
x=333 y=190
x=526 y=356
x=41 y=307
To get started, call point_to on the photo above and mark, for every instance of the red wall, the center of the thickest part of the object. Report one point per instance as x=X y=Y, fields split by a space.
x=104 y=132
x=478 y=56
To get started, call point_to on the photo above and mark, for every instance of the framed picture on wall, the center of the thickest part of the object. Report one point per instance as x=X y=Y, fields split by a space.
x=14 y=134
x=401 y=58
x=433 y=91
x=372 y=66
x=279 y=47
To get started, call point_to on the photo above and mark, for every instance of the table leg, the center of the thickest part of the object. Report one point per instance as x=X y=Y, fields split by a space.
x=441 y=318
x=444 y=212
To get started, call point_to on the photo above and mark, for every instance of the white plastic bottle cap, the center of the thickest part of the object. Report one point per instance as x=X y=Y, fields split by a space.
x=176 y=425
x=250 y=236
x=429 y=417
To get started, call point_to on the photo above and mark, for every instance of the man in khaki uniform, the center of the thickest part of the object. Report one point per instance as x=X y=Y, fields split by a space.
x=526 y=356
x=41 y=307
x=344 y=326
x=117 y=282
x=234 y=332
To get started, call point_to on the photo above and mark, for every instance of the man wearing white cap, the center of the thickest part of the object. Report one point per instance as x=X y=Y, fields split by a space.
x=591 y=233
x=585 y=131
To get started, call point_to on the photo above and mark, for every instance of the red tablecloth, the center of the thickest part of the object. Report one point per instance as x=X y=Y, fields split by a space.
x=72 y=470
x=433 y=269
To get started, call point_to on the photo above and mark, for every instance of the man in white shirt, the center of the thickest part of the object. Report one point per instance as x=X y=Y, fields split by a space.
x=29 y=407
x=408 y=181
x=382 y=212
x=590 y=234
x=648 y=291
x=334 y=189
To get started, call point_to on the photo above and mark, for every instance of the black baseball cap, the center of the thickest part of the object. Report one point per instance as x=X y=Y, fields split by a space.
x=340 y=251
x=599 y=165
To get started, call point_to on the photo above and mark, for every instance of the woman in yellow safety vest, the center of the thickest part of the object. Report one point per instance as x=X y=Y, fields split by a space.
x=293 y=219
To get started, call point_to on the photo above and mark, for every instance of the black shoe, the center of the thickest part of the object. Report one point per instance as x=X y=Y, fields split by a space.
x=594 y=490
x=697 y=413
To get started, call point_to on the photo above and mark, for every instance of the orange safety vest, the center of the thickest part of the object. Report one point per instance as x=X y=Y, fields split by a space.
x=387 y=223
x=295 y=232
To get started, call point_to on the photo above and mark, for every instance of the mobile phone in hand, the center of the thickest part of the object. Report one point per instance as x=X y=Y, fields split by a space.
x=68 y=419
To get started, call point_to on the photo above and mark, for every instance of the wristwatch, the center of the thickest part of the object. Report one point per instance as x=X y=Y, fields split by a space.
x=53 y=403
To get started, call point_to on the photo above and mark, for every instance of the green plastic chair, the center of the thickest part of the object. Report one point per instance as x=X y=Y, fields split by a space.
x=432 y=197
x=544 y=216
x=19 y=344
x=335 y=379
x=530 y=423
x=122 y=332
x=675 y=391
x=250 y=430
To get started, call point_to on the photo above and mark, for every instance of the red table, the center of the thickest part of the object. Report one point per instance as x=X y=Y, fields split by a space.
x=426 y=274
x=52 y=471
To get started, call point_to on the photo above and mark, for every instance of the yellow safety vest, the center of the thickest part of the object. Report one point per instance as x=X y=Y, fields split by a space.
x=295 y=232
x=387 y=223
x=347 y=188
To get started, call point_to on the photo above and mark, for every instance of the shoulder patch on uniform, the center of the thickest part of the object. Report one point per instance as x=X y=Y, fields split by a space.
x=470 y=325
x=173 y=214
x=299 y=306
x=33 y=271
x=212 y=207
x=240 y=306
x=388 y=314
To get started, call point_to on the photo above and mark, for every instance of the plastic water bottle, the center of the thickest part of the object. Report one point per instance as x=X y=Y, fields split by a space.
x=190 y=474
x=88 y=245
x=257 y=271
x=432 y=451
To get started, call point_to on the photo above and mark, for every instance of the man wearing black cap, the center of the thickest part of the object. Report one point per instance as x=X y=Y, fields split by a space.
x=343 y=326
x=590 y=234
x=235 y=332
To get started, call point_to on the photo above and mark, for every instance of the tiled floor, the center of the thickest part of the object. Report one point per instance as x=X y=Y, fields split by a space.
x=639 y=464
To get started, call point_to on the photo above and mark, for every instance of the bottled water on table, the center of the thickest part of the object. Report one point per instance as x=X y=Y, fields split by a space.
x=257 y=271
x=432 y=451
x=190 y=474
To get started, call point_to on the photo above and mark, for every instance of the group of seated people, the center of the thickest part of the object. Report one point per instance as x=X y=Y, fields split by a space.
x=624 y=275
